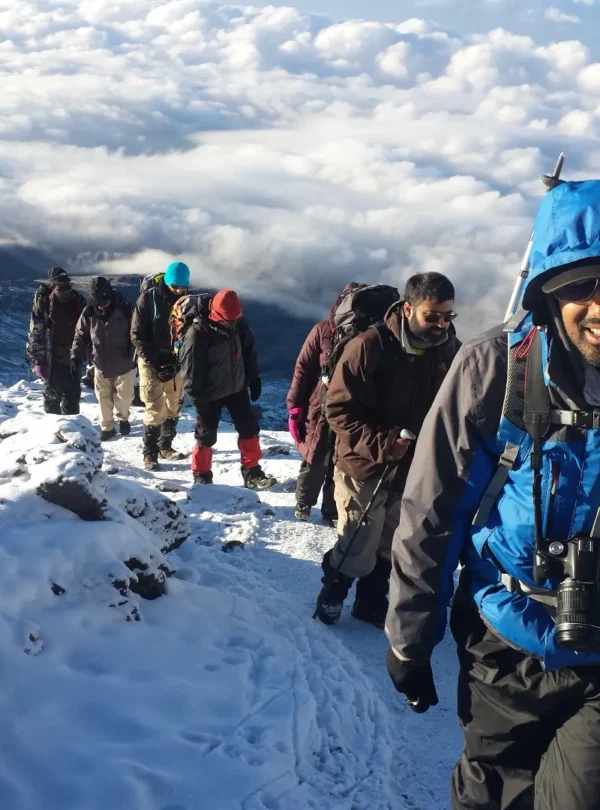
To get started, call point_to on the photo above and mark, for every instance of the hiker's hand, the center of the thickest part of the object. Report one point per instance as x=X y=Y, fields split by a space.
x=398 y=449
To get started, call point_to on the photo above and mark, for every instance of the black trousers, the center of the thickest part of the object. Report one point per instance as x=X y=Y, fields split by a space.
x=62 y=392
x=209 y=413
x=318 y=475
x=531 y=738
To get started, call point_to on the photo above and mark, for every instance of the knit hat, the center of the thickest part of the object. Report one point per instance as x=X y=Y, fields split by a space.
x=177 y=274
x=101 y=292
x=58 y=276
x=225 y=306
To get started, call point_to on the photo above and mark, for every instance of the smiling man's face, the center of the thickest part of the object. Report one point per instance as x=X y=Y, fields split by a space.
x=582 y=324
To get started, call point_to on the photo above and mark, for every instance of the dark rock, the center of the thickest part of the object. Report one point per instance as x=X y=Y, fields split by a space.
x=58 y=590
x=74 y=495
x=231 y=545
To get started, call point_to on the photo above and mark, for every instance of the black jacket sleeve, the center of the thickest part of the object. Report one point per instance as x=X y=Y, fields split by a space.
x=251 y=368
x=81 y=341
x=141 y=329
x=193 y=362
x=455 y=458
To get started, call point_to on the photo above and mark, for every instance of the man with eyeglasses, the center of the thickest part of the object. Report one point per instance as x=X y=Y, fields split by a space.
x=161 y=387
x=384 y=383
x=505 y=480
x=54 y=315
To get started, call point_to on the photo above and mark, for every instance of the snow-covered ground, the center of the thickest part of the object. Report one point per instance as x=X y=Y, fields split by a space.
x=225 y=695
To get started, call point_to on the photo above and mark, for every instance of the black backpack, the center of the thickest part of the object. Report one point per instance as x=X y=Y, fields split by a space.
x=358 y=307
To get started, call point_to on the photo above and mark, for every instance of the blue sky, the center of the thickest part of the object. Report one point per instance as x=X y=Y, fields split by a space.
x=473 y=16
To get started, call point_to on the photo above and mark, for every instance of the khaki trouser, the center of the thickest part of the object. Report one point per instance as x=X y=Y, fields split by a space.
x=162 y=400
x=113 y=394
x=375 y=538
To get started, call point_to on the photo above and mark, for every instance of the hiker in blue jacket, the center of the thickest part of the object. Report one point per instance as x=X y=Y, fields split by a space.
x=506 y=481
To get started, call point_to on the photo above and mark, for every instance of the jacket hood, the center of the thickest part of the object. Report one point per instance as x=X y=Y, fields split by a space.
x=566 y=231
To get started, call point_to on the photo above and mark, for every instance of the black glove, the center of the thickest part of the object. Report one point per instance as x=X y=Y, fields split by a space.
x=255 y=389
x=415 y=682
x=166 y=372
x=75 y=369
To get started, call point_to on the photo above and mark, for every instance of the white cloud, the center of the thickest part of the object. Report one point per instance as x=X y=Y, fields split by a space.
x=556 y=15
x=587 y=2
x=281 y=153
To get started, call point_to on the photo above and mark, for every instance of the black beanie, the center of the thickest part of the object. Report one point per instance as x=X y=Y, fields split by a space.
x=101 y=292
x=58 y=276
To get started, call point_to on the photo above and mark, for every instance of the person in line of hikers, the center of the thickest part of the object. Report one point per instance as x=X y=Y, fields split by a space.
x=219 y=365
x=104 y=328
x=160 y=381
x=308 y=426
x=54 y=315
x=505 y=480
x=384 y=382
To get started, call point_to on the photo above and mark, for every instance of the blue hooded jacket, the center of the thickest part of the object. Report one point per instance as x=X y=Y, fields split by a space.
x=458 y=452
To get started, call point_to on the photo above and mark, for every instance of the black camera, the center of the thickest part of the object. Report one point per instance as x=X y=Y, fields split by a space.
x=577 y=564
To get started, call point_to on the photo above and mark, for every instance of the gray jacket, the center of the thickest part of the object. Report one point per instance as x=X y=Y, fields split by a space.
x=107 y=334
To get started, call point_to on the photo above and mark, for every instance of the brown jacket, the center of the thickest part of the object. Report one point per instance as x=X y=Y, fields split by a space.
x=376 y=390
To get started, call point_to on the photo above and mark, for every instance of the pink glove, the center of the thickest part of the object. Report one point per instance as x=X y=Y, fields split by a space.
x=41 y=372
x=296 y=424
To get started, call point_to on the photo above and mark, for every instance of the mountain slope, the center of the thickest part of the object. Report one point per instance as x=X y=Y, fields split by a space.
x=226 y=694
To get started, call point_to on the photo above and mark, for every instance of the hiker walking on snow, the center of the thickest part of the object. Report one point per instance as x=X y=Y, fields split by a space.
x=219 y=365
x=104 y=327
x=505 y=479
x=56 y=310
x=308 y=426
x=384 y=382
x=160 y=381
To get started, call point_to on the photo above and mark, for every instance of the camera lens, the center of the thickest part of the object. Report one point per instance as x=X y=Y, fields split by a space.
x=578 y=616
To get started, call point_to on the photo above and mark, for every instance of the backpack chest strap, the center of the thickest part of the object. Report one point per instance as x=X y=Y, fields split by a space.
x=583 y=419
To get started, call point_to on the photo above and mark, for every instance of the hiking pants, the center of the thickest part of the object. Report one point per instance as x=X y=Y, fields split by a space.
x=113 y=394
x=162 y=400
x=245 y=422
x=374 y=540
x=531 y=738
x=317 y=475
x=62 y=392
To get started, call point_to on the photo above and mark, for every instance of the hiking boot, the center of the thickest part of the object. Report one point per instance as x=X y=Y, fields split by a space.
x=203 y=478
x=168 y=431
x=371 y=603
x=331 y=598
x=256 y=478
x=105 y=435
x=170 y=454
x=373 y=614
x=151 y=435
x=150 y=463
x=124 y=428
x=302 y=512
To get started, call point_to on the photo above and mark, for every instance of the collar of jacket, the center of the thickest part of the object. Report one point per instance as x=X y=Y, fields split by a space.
x=396 y=323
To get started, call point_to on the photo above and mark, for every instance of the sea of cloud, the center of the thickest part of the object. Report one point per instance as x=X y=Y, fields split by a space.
x=279 y=152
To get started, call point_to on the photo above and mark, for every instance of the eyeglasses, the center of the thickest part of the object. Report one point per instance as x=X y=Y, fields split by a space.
x=578 y=292
x=179 y=290
x=436 y=317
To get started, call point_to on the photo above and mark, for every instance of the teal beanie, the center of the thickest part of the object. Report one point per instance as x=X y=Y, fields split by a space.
x=177 y=274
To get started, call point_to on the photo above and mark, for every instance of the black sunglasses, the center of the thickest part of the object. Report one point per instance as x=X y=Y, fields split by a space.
x=577 y=292
x=435 y=317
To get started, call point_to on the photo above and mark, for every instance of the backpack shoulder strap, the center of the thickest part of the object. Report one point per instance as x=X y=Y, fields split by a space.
x=526 y=406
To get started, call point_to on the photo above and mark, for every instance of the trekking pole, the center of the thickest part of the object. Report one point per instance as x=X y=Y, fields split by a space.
x=550 y=181
x=404 y=434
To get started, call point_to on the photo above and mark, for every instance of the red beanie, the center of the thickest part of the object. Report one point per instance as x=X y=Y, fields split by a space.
x=225 y=306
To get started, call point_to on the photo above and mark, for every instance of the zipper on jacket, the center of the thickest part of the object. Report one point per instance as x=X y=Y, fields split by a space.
x=555 y=468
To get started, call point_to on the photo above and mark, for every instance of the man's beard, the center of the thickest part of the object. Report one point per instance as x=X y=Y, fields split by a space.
x=431 y=335
x=589 y=352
